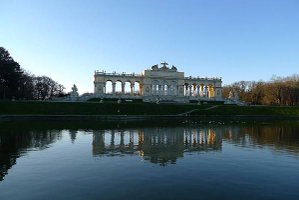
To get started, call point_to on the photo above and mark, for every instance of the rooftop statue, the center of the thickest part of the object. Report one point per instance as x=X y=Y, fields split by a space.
x=174 y=68
x=155 y=67
x=164 y=65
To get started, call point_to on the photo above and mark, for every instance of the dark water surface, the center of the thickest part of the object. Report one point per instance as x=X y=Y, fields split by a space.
x=40 y=160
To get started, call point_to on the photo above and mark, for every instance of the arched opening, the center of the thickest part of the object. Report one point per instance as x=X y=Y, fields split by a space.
x=136 y=88
x=165 y=89
x=201 y=90
x=127 y=87
x=155 y=87
x=118 y=87
x=197 y=90
x=108 y=87
x=194 y=89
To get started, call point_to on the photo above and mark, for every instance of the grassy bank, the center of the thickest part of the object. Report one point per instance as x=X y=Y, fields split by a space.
x=90 y=108
x=111 y=108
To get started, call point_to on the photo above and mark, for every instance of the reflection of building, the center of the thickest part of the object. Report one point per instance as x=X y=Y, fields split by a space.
x=157 y=84
x=159 y=145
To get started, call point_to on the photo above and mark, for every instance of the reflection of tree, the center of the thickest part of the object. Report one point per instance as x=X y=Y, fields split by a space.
x=14 y=144
x=158 y=145
x=277 y=137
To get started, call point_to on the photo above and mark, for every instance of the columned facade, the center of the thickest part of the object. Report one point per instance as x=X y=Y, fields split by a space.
x=157 y=84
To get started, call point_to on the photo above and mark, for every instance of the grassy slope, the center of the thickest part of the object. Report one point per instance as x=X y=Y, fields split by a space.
x=70 y=108
x=250 y=110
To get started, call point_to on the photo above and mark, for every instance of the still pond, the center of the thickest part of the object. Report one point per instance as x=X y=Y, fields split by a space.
x=181 y=160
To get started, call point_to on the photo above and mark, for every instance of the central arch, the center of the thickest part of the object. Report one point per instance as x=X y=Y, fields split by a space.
x=128 y=87
x=108 y=87
x=136 y=88
x=118 y=85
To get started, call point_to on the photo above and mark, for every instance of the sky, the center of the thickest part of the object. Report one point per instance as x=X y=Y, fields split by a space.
x=68 y=40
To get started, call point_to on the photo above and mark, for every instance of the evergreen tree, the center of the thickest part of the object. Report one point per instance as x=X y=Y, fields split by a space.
x=10 y=75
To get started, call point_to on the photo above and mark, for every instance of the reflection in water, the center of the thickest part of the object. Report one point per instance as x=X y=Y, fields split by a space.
x=157 y=145
x=16 y=143
x=277 y=137
x=73 y=135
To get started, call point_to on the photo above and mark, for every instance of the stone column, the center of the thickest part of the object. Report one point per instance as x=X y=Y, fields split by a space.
x=122 y=88
x=113 y=88
x=141 y=92
x=159 y=90
x=203 y=90
x=112 y=139
x=153 y=89
x=132 y=88
x=122 y=140
x=190 y=90
x=206 y=91
x=104 y=89
x=212 y=92
x=131 y=140
x=186 y=90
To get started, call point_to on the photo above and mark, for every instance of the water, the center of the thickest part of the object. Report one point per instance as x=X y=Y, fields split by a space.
x=149 y=161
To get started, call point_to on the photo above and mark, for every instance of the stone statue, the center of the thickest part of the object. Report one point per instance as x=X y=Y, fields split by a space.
x=164 y=65
x=74 y=89
x=155 y=67
x=74 y=93
x=174 y=68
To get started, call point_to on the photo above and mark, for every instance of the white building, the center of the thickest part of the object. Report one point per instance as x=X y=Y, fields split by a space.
x=157 y=84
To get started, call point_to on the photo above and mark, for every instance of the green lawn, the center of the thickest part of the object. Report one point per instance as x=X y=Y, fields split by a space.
x=250 y=110
x=91 y=108
x=112 y=108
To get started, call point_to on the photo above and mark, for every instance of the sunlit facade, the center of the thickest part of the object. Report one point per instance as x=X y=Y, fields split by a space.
x=157 y=84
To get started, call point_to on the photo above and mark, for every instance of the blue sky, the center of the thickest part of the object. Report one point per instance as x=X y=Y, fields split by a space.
x=233 y=39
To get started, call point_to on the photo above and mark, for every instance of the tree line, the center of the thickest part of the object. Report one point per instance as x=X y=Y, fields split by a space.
x=277 y=91
x=16 y=83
